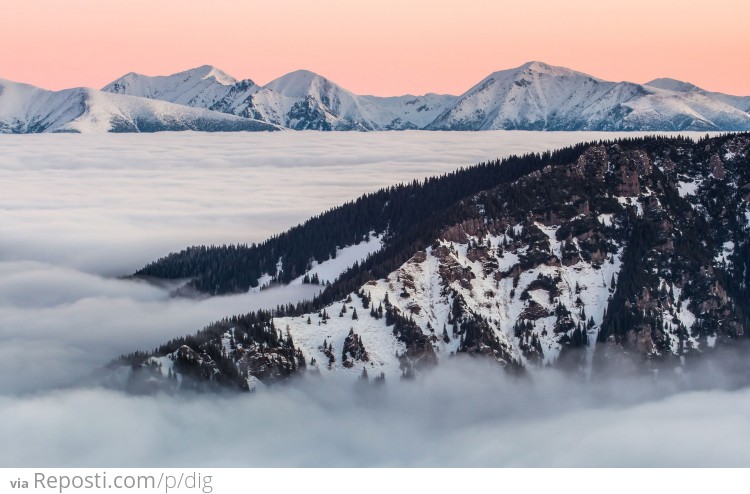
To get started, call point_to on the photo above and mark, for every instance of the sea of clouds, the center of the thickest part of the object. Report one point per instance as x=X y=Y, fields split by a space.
x=77 y=212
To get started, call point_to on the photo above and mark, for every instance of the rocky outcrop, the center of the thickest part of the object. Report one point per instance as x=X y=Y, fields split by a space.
x=353 y=351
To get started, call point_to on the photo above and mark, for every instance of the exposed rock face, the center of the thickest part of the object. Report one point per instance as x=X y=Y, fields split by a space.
x=354 y=351
x=717 y=168
x=269 y=364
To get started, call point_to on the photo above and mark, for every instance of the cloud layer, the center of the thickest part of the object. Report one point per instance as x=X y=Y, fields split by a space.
x=109 y=204
x=462 y=414
x=80 y=211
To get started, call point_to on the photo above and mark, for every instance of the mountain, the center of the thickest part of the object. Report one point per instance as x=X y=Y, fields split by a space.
x=200 y=87
x=410 y=112
x=204 y=87
x=537 y=96
x=739 y=102
x=301 y=100
x=534 y=96
x=309 y=101
x=318 y=103
x=28 y=109
x=630 y=253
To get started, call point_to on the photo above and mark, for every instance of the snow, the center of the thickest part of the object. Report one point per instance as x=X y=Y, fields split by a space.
x=201 y=87
x=377 y=338
x=166 y=364
x=727 y=249
x=688 y=188
x=330 y=270
x=550 y=231
x=671 y=84
x=684 y=315
x=263 y=282
x=209 y=88
x=542 y=97
x=739 y=102
x=430 y=306
x=25 y=108
x=711 y=341
x=631 y=202
x=341 y=108
x=605 y=219
x=534 y=96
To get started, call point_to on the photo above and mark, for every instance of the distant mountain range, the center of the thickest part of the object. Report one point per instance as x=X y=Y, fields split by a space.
x=27 y=109
x=534 y=96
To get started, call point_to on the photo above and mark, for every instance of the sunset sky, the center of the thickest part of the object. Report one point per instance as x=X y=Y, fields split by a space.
x=384 y=47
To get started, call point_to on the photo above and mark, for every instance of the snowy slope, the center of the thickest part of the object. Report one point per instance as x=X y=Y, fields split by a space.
x=740 y=102
x=534 y=96
x=318 y=103
x=662 y=109
x=202 y=87
x=27 y=109
x=537 y=96
x=199 y=87
x=417 y=289
x=330 y=270
x=406 y=112
x=298 y=100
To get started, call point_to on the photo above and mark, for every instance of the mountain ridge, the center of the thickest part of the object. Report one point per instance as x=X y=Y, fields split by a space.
x=533 y=96
x=632 y=252
x=28 y=109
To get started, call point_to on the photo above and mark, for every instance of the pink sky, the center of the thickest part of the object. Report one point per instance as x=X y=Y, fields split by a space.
x=383 y=47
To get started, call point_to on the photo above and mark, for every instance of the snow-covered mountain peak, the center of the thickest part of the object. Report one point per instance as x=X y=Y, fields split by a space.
x=303 y=83
x=672 y=85
x=532 y=96
x=200 y=87
x=535 y=69
x=197 y=73
x=28 y=109
x=543 y=68
x=209 y=71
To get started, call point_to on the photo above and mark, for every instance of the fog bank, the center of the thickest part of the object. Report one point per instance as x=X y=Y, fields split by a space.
x=462 y=414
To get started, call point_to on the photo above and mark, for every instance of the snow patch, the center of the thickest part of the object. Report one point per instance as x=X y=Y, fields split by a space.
x=263 y=282
x=631 y=202
x=688 y=188
x=727 y=249
x=711 y=341
x=605 y=219
x=330 y=270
